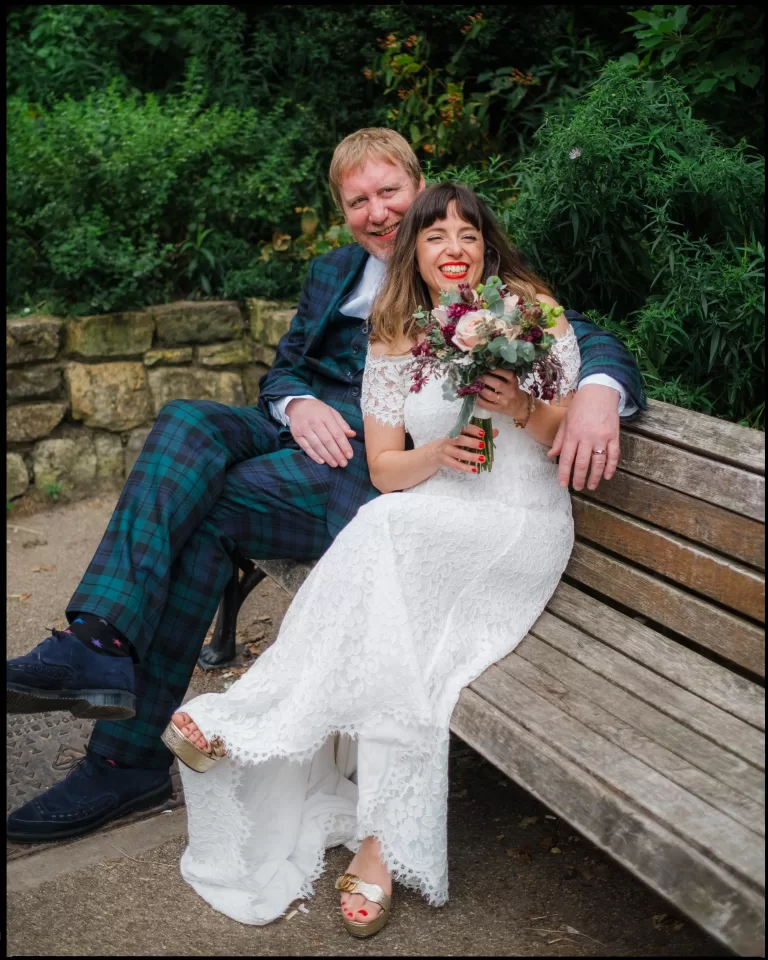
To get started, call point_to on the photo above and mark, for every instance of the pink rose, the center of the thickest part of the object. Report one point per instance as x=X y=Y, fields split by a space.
x=511 y=303
x=441 y=315
x=466 y=335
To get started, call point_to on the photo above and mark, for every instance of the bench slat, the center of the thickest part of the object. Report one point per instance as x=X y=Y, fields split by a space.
x=688 y=669
x=717 y=577
x=718 y=483
x=705 y=624
x=743 y=740
x=729 y=910
x=698 y=824
x=718 y=529
x=636 y=727
x=689 y=430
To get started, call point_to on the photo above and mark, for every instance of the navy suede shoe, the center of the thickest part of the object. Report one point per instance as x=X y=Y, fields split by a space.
x=91 y=795
x=62 y=673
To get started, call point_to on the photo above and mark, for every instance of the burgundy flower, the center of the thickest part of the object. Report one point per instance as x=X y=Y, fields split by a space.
x=457 y=310
x=535 y=335
x=466 y=293
x=477 y=386
x=448 y=331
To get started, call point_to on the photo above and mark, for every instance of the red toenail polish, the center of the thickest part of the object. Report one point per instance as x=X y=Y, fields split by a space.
x=363 y=912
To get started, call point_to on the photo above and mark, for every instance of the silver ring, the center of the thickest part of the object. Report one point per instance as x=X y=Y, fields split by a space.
x=599 y=453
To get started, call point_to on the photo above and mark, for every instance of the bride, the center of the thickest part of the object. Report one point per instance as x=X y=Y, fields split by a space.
x=339 y=733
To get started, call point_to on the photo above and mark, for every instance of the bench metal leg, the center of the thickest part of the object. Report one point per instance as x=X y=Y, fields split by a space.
x=222 y=647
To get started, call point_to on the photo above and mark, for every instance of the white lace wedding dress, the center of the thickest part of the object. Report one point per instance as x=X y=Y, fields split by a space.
x=340 y=730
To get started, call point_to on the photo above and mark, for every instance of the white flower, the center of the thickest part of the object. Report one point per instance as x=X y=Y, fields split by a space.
x=575 y=153
x=26 y=309
x=441 y=315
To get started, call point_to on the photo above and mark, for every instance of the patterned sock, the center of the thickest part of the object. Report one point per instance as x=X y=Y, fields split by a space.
x=99 y=635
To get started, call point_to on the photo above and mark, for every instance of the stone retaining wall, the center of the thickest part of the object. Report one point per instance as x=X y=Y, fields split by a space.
x=83 y=393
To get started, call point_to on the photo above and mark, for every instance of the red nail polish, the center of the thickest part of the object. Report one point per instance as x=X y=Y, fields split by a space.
x=363 y=912
x=482 y=445
x=474 y=469
x=482 y=433
x=481 y=459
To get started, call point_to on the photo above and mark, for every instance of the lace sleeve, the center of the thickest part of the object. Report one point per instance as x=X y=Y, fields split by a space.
x=386 y=383
x=566 y=348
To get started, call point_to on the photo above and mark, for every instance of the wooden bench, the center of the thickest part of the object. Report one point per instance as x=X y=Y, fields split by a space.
x=634 y=708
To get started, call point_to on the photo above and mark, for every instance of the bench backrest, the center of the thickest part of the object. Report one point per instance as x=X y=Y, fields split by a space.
x=677 y=537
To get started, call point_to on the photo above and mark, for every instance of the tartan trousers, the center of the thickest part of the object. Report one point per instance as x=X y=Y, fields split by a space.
x=211 y=480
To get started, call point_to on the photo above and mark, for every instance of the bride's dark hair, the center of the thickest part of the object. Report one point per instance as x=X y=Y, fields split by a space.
x=404 y=290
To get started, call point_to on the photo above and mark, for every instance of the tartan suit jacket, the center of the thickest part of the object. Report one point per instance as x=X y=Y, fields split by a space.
x=299 y=367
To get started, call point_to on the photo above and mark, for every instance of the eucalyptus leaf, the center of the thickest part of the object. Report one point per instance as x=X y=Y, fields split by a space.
x=525 y=350
x=509 y=350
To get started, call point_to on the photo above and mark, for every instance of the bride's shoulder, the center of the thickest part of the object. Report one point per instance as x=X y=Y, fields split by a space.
x=389 y=351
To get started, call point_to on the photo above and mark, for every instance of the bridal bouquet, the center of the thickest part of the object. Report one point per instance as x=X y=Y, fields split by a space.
x=473 y=332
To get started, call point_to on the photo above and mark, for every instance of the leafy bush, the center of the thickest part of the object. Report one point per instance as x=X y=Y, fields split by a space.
x=117 y=201
x=716 y=52
x=632 y=208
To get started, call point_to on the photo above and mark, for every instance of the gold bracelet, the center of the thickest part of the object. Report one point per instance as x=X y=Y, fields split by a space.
x=531 y=404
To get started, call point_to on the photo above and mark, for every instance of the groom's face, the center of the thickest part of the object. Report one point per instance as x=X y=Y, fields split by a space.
x=375 y=198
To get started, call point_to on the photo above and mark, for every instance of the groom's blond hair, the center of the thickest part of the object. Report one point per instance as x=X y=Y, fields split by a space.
x=378 y=143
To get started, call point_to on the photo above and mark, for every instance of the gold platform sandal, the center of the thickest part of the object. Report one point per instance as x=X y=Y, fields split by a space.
x=349 y=883
x=190 y=755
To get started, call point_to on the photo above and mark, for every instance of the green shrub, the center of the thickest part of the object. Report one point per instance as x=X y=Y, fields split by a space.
x=118 y=201
x=716 y=51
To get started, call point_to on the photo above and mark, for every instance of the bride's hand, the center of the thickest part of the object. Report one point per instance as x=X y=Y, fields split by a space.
x=464 y=452
x=502 y=394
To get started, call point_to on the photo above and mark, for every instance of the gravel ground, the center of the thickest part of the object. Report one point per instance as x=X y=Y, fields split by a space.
x=523 y=883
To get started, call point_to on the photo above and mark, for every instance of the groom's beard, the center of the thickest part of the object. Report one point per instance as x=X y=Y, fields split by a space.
x=381 y=251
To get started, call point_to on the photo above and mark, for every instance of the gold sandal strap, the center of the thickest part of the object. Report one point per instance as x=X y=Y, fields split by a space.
x=349 y=883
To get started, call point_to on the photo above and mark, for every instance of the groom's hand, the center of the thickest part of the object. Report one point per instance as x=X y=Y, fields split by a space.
x=591 y=424
x=320 y=431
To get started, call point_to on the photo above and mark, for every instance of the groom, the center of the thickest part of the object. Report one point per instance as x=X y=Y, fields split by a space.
x=279 y=480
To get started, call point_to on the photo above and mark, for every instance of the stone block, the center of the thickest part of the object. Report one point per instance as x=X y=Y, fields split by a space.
x=251 y=377
x=188 y=383
x=269 y=320
x=111 y=335
x=66 y=462
x=168 y=358
x=31 y=421
x=134 y=446
x=110 y=396
x=205 y=322
x=16 y=476
x=33 y=383
x=110 y=464
x=224 y=354
x=263 y=355
x=32 y=338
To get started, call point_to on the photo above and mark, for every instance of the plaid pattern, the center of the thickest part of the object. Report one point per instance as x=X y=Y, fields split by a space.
x=601 y=352
x=162 y=565
x=214 y=480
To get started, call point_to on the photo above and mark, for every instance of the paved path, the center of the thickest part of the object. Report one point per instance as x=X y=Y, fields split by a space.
x=119 y=892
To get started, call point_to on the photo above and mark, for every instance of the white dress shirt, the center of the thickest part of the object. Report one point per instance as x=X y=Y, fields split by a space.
x=359 y=303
